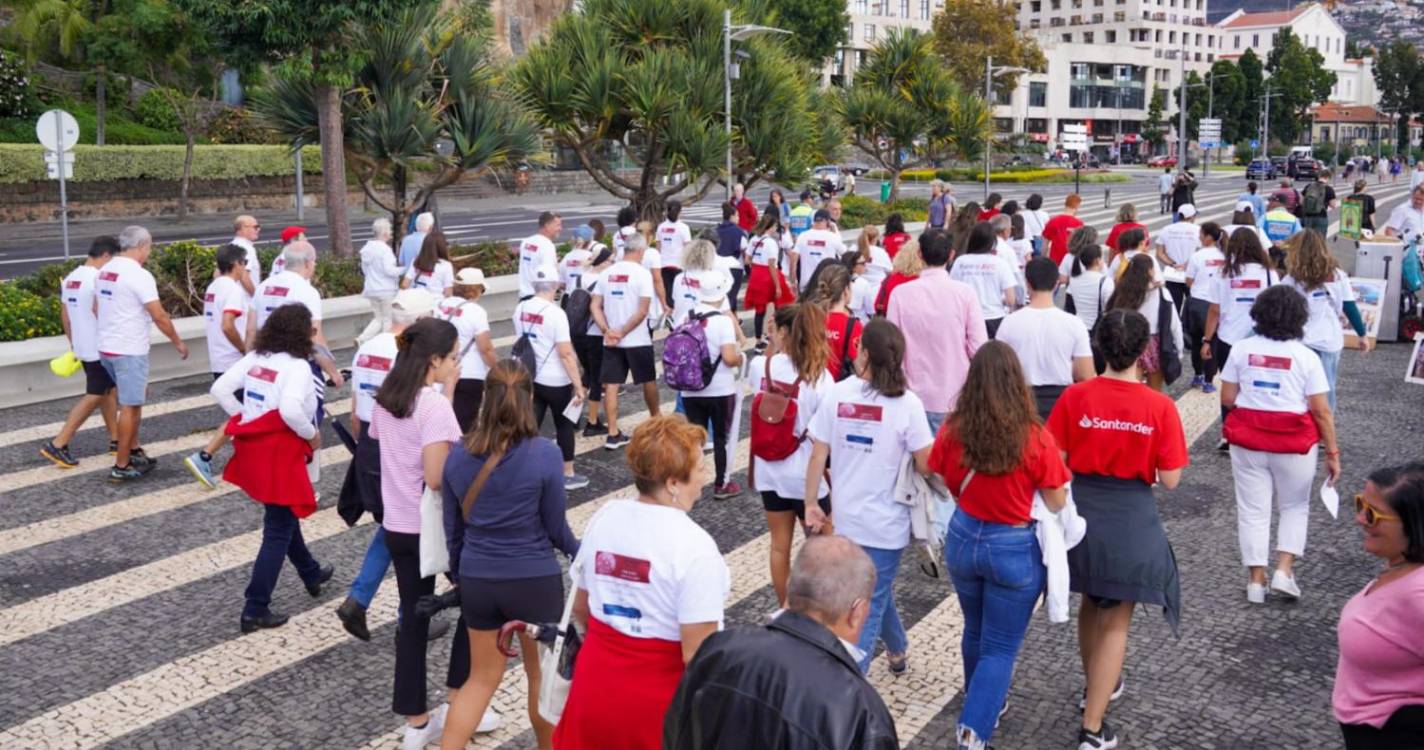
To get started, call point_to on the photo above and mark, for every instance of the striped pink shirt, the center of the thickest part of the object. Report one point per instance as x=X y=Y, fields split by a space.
x=402 y=441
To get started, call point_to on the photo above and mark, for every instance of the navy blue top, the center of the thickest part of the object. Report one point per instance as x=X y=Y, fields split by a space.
x=518 y=518
x=729 y=240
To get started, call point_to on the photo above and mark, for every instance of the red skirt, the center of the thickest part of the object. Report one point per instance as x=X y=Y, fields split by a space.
x=621 y=689
x=760 y=289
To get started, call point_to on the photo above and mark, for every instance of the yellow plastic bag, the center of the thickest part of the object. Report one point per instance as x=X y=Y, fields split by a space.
x=65 y=365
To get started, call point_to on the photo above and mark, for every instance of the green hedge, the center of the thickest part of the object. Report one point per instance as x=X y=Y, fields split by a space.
x=25 y=163
x=24 y=315
x=119 y=127
x=858 y=210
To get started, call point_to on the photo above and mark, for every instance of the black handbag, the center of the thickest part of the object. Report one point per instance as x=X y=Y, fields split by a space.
x=1168 y=354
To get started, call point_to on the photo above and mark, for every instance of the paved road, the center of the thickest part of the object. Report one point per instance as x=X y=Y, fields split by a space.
x=119 y=605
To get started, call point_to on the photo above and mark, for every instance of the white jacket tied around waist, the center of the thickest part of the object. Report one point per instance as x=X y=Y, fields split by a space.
x=1057 y=533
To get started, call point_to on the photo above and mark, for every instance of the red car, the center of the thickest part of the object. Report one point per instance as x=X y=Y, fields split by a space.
x=1162 y=161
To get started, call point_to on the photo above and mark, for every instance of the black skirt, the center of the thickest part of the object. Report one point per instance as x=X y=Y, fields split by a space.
x=1125 y=555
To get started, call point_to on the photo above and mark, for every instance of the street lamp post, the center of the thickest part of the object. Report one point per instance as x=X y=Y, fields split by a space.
x=1182 y=112
x=992 y=71
x=731 y=34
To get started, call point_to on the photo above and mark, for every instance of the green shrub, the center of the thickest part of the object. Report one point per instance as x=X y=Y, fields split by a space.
x=155 y=111
x=25 y=316
x=492 y=257
x=25 y=163
x=338 y=277
x=17 y=97
x=44 y=281
x=858 y=210
x=238 y=125
x=119 y=128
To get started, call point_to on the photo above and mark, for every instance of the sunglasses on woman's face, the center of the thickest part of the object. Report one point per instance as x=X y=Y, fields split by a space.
x=1372 y=514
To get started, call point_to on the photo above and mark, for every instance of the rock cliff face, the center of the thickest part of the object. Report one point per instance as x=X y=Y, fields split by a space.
x=518 y=23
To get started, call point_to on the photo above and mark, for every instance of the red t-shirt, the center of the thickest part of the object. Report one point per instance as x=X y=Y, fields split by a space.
x=893 y=243
x=1000 y=498
x=988 y=214
x=1118 y=229
x=835 y=329
x=882 y=300
x=1118 y=429
x=1056 y=232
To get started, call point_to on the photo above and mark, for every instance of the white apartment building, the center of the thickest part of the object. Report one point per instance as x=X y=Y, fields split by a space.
x=1318 y=30
x=870 y=20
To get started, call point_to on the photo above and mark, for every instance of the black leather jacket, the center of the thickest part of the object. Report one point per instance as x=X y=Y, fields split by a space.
x=788 y=686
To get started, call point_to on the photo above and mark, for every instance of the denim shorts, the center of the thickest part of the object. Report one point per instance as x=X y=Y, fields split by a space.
x=130 y=374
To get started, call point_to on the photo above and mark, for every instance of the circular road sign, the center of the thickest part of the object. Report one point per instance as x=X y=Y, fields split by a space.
x=65 y=137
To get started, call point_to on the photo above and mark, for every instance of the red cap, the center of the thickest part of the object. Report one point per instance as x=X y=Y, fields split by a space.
x=290 y=233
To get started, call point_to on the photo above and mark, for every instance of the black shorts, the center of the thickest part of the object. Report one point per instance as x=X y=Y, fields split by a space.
x=237 y=393
x=96 y=379
x=617 y=363
x=487 y=604
x=774 y=503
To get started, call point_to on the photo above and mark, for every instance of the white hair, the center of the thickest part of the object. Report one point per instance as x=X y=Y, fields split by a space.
x=1000 y=222
x=635 y=243
x=404 y=317
x=937 y=184
x=298 y=255
x=424 y=222
x=134 y=237
x=829 y=574
x=381 y=228
x=541 y=287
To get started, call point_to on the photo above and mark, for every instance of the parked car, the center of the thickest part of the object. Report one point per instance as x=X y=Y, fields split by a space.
x=1162 y=161
x=828 y=173
x=1280 y=164
x=1261 y=169
x=1302 y=167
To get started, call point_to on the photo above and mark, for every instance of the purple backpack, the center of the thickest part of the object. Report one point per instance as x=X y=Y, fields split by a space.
x=686 y=365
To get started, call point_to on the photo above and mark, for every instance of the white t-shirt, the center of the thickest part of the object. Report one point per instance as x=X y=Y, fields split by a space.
x=879 y=267
x=223 y=296
x=547 y=326
x=1231 y=229
x=1180 y=240
x=1047 y=341
x=719 y=331
x=1065 y=266
x=1087 y=299
x=124 y=287
x=653 y=261
x=649 y=569
x=1274 y=375
x=1126 y=257
x=990 y=276
x=571 y=267
x=1202 y=270
x=862 y=298
x=787 y=477
x=812 y=247
x=765 y=250
x=535 y=251
x=470 y=320
x=685 y=295
x=1323 y=331
x=625 y=286
x=1235 y=295
x=1406 y=220
x=286 y=288
x=77 y=292
x=369 y=368
x=254 y=266
x=436 y=281
x=869 y=436
x=270 y=381
x=673 y=236
x=1034 y=222
x=619 y=241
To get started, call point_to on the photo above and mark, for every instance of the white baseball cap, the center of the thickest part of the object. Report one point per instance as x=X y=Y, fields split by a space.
x=470 y=277
x=1243 y=206
x=1187 y=210
x=415 y=301
x=711 y=285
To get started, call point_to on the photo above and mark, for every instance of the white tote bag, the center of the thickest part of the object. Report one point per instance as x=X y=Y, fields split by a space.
x=553 y=684
x=434 y=553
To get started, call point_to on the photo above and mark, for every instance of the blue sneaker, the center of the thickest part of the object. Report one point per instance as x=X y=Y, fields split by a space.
x=1198 y=381
x=201 y=469
x=1208 y=388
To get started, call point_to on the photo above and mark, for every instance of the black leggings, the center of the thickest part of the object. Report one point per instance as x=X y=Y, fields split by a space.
x=758 y=322
x=738 y=275
x=1220 y=351
x=590 y=356
x=718 y=410
x=1193 y=330
x=408 y=691
x=556 y=398
x=469 y=392
x=1404 y=729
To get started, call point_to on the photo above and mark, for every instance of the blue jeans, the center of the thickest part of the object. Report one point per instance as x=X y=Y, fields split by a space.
x=281 y=539
x=130 y=375
x=936 y=418
x=373 y=569
x=1331 y=362
x=998 y=574
x=884 y=619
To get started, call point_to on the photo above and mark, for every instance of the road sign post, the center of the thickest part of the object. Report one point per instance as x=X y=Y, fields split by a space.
x=1075 y=138
x=58 y=132
x=1208 y=137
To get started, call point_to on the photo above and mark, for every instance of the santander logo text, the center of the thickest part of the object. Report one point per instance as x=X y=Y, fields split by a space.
x=1098 y=423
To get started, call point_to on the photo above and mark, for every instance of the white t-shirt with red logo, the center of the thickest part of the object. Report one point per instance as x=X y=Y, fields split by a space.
x=649 y=569
x=869 y=435
x=77 y=292
x=625 y=285
x=812 y=247
x=470 y=320
x=571 y=267
x=369 y=368
x=787 y=477
x=285 y=288
x=224 y=295
x=1236 y=295
x=547 y=326
x=1179 y=240
x=673 y=236
x=1274 y=375
x=765 y=251
x=686 y=294
x=436 y=281
x=1323 y=331
x=990 y=276
x=534 y=252
x=1202 y=270
x=270 y=381
x=124 y=288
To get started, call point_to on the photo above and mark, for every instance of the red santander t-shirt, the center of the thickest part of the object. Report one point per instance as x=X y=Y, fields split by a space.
x=1118 y=229
x=1056 y=232
x=1118 y=429
x=893 y=243
x=835 y=330
x=1000 y=498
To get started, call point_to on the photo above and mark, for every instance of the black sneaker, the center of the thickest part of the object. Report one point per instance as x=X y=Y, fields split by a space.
x=323 y=574
x=269 y=620
x=59 y=454
x=1222 y=446
x=1103 y=739
x=595 y=430
x=140 y=459
x=614 y=442
x=120 y=474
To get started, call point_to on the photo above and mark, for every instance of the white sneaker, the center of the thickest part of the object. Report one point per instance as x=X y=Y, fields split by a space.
x=490 y=721
x=1284 y=585
x=1256 y=593
x=417 y=739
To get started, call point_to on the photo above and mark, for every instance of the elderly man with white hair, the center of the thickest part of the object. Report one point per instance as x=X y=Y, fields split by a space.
x=382 y=278
x=125 y=302
x=410 y=244
x=245 y=231
x=290 y=287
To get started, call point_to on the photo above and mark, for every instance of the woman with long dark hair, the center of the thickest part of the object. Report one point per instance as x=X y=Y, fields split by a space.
x=1312 y=270
x=1245 y=273
x=432 y=270
x=776 y=206
x=588 y=344
x=895 y=234
x=993 y=455
x=1119 y=438
x=831 y=290
x=273 y=430
x=1081 y=239
x=869 y=425
x=795 y=365
x=992 y=278
x=502 y=534
x=1035 y=219
x=1138 y=290
x=1090 y=286
x=416 y=426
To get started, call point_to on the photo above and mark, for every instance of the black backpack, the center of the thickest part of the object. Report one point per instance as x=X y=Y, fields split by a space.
x=523 y=351
x=578 y=305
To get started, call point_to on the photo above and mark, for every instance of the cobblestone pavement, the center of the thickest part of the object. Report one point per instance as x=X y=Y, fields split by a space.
x=119 y=605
